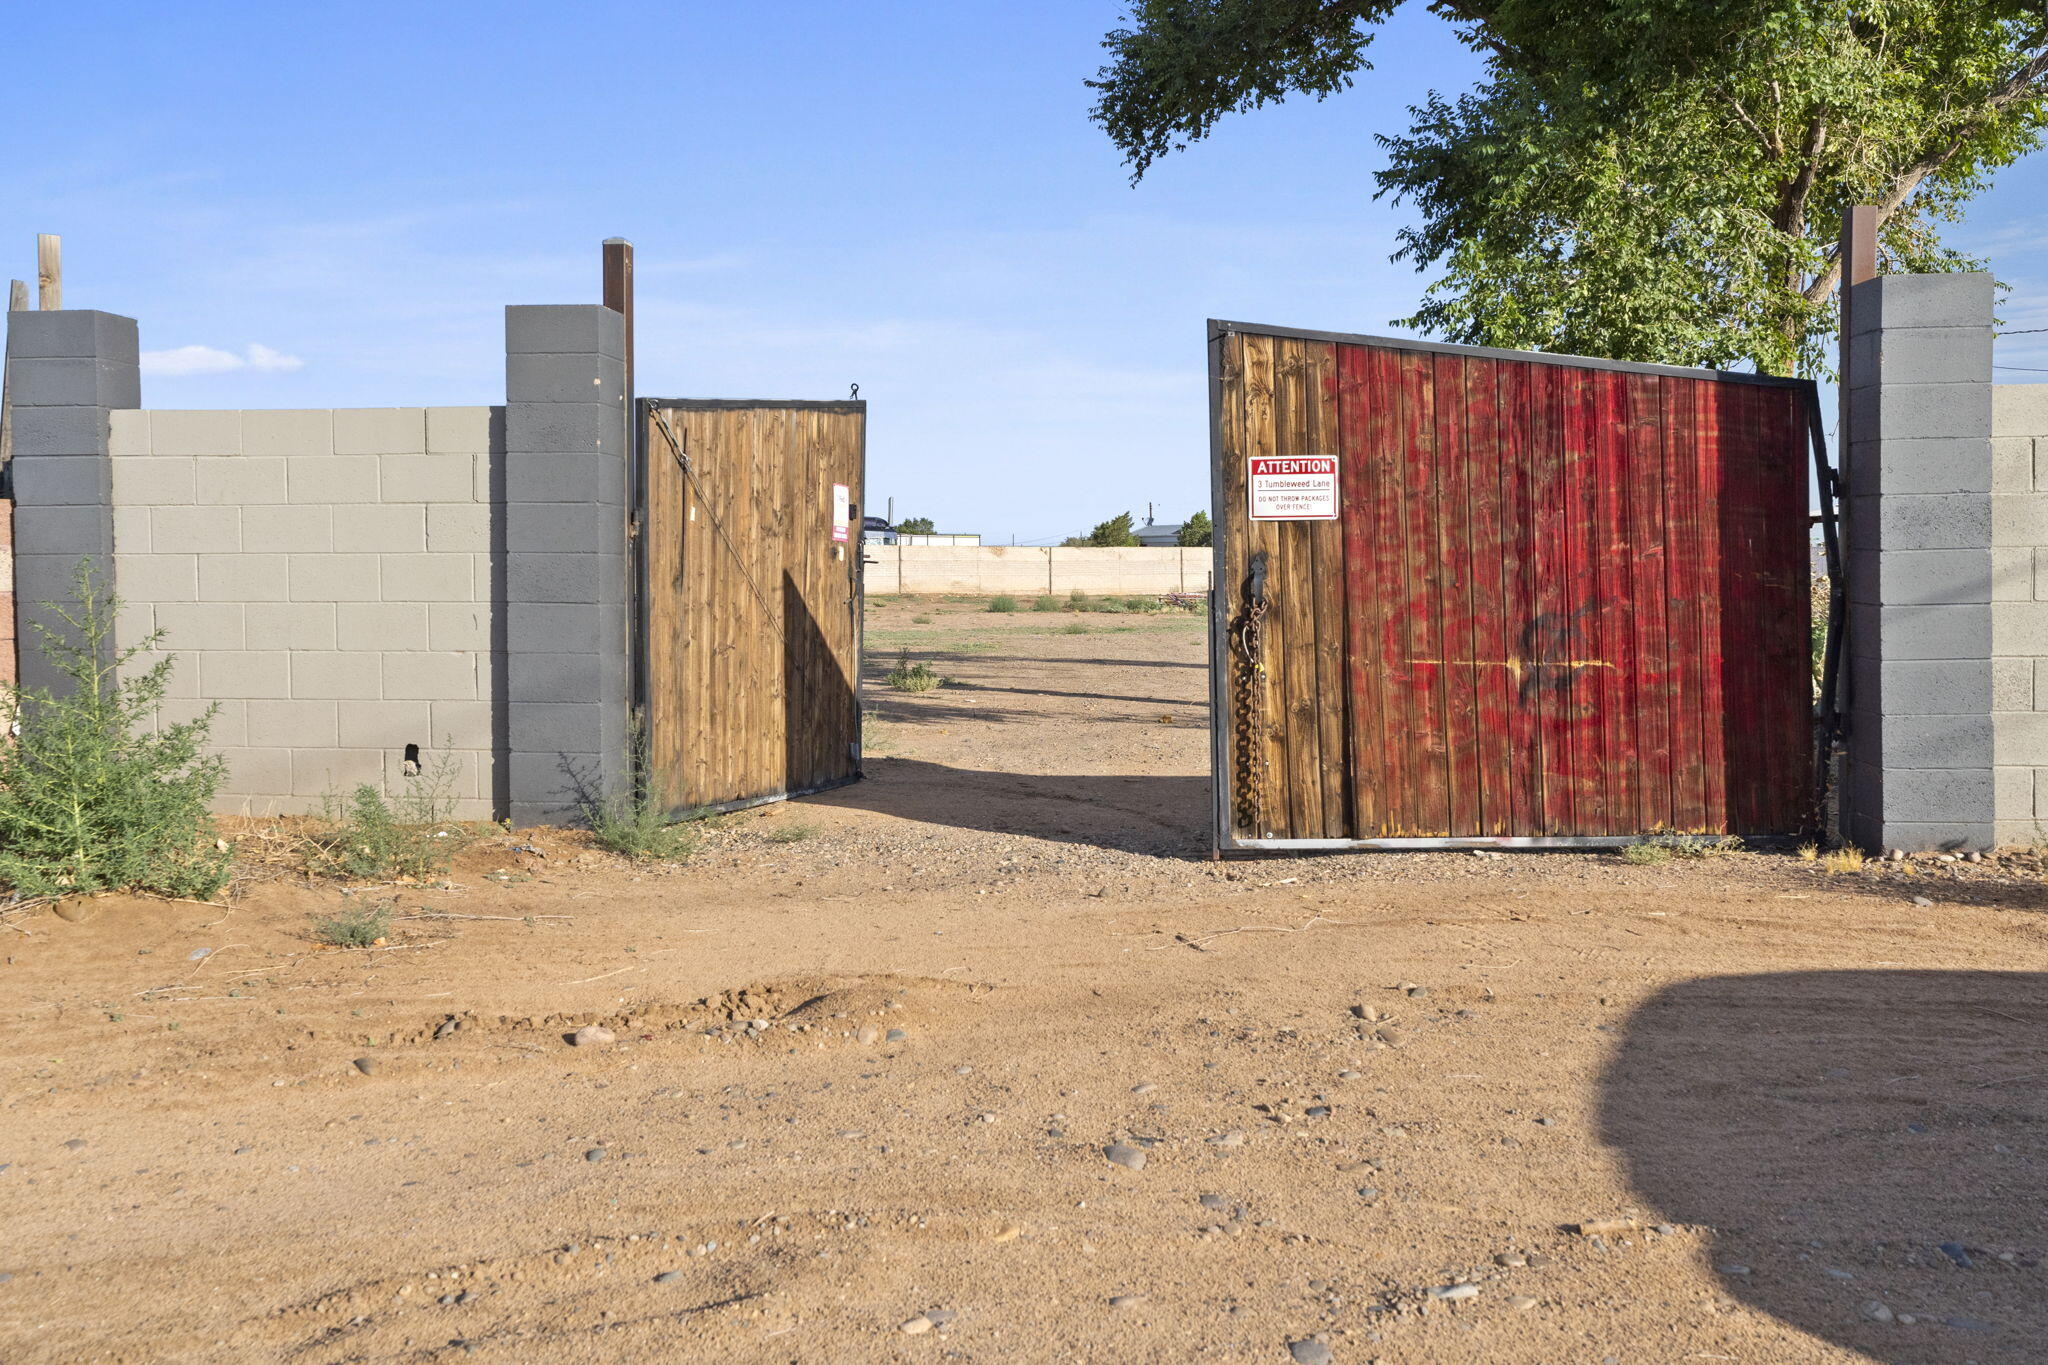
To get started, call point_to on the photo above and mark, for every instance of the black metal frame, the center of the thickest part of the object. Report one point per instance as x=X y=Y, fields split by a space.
x=1222 y=842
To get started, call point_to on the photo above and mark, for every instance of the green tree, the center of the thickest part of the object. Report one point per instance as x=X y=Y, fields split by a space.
x=1645 y=179
x=1196 y=530
x=916 y=526
x=1115 y=533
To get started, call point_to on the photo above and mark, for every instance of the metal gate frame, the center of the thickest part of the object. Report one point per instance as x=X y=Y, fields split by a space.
x=1827 y=710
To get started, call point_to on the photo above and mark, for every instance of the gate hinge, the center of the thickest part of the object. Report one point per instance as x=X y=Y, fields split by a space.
x=633 y=527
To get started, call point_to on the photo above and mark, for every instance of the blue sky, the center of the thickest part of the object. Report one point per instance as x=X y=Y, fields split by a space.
x=907 y=196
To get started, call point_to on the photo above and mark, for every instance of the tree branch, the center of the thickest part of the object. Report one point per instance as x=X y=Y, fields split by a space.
x=2005 y=93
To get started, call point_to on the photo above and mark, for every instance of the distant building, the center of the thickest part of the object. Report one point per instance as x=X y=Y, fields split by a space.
x=1155 y=533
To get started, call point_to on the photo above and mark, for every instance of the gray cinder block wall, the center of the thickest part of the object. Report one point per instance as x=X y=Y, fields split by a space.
x=2019 y=610
x=68 y=369
x=566 y=629
x=347 y=584
x=1947 y=575
x=325 y=579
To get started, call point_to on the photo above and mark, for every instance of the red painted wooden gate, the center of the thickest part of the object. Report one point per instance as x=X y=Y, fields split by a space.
x=1561 y=600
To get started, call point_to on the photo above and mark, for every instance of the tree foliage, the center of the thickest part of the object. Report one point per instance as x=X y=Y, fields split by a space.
x=1196 y=530
x=1116 y=533
x=1644 y=179
x=916 y=526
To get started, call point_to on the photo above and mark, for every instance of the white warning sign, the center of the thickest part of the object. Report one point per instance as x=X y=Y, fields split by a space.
x=1292 y=487
x=842 y=512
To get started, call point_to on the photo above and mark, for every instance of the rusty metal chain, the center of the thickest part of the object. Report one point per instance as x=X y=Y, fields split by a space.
x=1249 y=636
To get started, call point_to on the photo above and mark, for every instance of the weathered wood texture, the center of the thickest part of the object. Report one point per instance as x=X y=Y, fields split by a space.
x=1561 y=601
x=753 y=609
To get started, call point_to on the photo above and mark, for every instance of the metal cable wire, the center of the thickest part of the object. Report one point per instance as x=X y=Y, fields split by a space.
x=683 y=463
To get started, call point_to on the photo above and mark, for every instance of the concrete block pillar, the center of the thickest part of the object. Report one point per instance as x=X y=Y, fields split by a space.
x=567 y=630
x=1921 y=525
x=68 y=368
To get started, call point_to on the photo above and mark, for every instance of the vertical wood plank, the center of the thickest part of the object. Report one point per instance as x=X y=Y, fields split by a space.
x=1294 y=598
x=1788 y=767
x=1459 y=663
x=1522 y=685
x=1709 y=480
x=1684 y=590
x=1649 y=593
x=1577 y=638
x=1490 y=550
x=1234 y=565
x=1424 y=596
x=1330 y=702
x=1546 y=642
x=1360 y=448
x=1262 y=436
x=1386 y=427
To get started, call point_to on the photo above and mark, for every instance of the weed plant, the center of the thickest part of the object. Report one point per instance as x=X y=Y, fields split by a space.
x=914 y=677
x=1002 y=602
x=358 y=927
x=95 y=794
x=373 y=838
x=1045 y=602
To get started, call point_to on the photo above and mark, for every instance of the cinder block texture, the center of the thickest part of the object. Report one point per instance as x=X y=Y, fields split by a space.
x=288 y=557
x=71 y=369
x=1941 y=529
x=564 y=559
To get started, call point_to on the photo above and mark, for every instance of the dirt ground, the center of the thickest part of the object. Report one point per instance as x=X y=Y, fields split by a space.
x=1374 y=1095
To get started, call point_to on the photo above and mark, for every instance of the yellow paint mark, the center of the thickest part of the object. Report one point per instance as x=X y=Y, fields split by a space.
x=1516 y=665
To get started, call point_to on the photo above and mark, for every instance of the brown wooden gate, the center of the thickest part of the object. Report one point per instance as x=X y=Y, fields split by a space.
x=751 y=560
x=1509 y=598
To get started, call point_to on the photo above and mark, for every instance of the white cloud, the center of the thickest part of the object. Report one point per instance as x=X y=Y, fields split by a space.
x=185 y=360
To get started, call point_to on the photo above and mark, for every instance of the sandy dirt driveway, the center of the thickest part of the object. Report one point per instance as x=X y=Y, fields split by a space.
x=980 y=1059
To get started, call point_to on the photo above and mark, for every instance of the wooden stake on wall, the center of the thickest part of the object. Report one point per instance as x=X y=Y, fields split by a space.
x=17 y=302
x=49 y=271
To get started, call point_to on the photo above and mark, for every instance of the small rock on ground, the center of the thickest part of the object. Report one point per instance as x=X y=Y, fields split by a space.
x=1309 y=1353
x=1130 y=1158
x=366 y=1065
x=591 y=1034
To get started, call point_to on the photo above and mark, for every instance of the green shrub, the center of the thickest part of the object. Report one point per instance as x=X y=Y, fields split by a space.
x=92 y=798
x=791 y=834
x=914 y=677
x=1647 y=854
x=920 y=620
x=369 y=838
x=637 y=826
x=1046 y=602
x=359 y=927
x=1075 y=628
x=1077 y=600
x=1003 y=602
x=1114 y=606
x=1142 y=603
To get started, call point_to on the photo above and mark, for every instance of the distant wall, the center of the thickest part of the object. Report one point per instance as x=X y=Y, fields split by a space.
x=1032 y=569
x=325 y=578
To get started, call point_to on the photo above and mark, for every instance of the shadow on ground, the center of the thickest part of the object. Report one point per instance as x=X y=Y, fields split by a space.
x=1864 y=1147
x=1161 y=816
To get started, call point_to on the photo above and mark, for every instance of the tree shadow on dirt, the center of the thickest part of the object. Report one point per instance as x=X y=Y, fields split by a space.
x=1159 y=816
x=1861 y=1147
